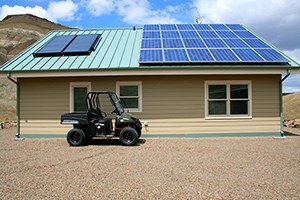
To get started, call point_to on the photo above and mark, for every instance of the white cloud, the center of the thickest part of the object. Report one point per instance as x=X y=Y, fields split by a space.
x=292 y=83
x=131 y=11
x=62 y=10
x=275 y=20
x=294 y=54
x=56 y=11
x=246 y=11
x=100 y=7
x=140 y=12
x=36 y=10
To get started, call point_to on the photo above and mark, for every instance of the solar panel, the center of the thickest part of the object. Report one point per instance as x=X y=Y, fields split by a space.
x=82 y=45
x=245 y=34
x=200 y=43
x=175 y=55
x=151 y=44
x=218 y=27
x=235 y=43
x=208 y=34
x=151 y=55
x=168 y=27
x=151 y=27
x=236 y=27
x=271 y=55
x=199 y=55
x=170 y=34
x=202 y=27
x=226 y=34
x=223 y=55
x=151 y=34
x=214 y=43
x=185 y=27
x=69 y=45
x=172 y=43
x=247 y=55
x=189 y=34
x=193 y=43
x=55 y=46
x=256 y=43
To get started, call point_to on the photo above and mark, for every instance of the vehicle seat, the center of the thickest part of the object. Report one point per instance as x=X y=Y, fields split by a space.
x=95 y=114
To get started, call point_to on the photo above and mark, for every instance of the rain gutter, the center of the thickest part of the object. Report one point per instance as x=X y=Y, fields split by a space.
x=17 y=104
x=281 y=102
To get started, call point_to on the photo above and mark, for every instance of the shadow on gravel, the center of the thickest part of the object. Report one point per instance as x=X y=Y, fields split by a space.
x=112 y=142
x=290 y=134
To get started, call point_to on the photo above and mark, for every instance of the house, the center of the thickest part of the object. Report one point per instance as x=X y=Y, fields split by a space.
x=181 y=80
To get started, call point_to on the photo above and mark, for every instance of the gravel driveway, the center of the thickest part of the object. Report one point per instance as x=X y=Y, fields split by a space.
x=204 y=168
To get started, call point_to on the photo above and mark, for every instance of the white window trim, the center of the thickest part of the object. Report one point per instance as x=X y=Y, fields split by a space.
x=228 y=82
x=132 y=83
x=72 y=86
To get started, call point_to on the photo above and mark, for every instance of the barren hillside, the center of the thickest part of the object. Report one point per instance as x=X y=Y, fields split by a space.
x=291 y=106
x=19 y=31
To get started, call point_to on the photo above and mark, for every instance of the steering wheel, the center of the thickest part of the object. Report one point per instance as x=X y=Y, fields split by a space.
x=104 y=114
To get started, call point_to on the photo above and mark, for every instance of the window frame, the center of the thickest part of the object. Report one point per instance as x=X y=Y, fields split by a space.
x=71 y=93
x=140 y=96
x=228 y=83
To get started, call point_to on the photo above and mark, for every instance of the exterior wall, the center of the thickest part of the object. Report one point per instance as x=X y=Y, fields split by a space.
x=171 y=104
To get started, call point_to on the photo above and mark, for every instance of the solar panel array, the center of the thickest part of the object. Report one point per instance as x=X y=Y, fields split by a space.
x=67 y=45
x=185 y=43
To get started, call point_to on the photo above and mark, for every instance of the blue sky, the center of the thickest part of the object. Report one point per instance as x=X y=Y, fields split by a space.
x=275 y=20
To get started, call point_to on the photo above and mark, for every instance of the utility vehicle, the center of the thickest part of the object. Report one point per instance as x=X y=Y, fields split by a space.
x=95 y=123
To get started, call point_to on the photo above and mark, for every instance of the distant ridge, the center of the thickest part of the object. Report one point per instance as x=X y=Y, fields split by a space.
x=17 y=32
x=30 y=22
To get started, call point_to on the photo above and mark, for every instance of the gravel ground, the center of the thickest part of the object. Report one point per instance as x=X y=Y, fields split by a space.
x=204 y=168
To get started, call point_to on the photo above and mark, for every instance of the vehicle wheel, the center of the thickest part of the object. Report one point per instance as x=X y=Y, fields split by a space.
x=76 y=137
x=139 y=133
x=128 y=136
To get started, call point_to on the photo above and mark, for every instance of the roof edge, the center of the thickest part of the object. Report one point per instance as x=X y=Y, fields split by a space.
x=148 y=72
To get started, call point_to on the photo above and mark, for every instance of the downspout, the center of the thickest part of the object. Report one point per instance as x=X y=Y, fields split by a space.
x=281 y=102
x=17 y=105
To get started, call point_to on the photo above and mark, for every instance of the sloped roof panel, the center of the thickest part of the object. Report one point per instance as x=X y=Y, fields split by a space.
x=116 y=48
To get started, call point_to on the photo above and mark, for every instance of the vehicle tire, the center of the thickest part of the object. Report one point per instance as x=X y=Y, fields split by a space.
x=76 y=137
x=139 y=133
x=128 y=136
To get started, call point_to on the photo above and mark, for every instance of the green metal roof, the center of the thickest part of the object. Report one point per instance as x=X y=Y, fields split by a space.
x=118 y=49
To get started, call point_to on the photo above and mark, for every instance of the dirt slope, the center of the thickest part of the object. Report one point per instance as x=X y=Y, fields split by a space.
x=291 y=106
x=17 y=32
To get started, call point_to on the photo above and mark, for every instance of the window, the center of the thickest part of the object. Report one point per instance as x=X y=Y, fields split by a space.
x=78 y=92
x=228 y=99
x=130 y=94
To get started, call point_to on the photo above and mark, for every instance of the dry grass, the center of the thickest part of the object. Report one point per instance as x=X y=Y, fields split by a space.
x=291 y=106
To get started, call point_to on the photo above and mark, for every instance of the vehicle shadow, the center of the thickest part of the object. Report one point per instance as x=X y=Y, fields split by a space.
x=112 y=142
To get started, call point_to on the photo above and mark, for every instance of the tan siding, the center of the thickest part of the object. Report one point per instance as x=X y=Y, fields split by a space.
x=43 y=127
x=202 y=126
x=170 y=126
x=266 y=96
x=43 y=98
x=171 y=104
